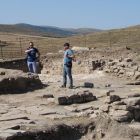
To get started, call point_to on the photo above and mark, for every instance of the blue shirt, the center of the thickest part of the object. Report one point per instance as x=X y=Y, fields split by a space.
x=67 y=59
x=31 y=56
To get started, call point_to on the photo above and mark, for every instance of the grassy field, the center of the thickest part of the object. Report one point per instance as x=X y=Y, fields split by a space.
x=14 y=45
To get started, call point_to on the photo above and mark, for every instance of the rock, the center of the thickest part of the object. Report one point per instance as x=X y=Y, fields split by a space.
x=133 y=83
x=105 y=108
x=14 y=117
x=136 y=114
x=92 y=116
x=84 y=107
x=88 y=85
x=118 y=103
x=129 y=74
x=69 y=108
x=60 y=99
x=89 y=98
x=80 y=48
x=99 y=134
x=132 y=101
x=121 y=115
x=48 y=96
x=134 y=95
x=73 y=96
x=111 y=99
x=128 y=59
x=106 y=92
x=107 y=70
x=123 y=107
x=111 y=63
x=2 y=73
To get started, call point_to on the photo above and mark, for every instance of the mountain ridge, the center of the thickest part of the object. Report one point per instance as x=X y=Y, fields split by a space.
x=61 y=31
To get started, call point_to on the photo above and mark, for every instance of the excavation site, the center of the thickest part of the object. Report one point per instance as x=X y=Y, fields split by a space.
x=104 y=102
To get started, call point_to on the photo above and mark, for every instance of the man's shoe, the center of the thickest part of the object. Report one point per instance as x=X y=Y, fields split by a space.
x=70 y=87
x=63 y=86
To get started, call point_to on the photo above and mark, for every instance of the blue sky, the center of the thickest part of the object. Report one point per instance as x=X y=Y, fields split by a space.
x=100 y=14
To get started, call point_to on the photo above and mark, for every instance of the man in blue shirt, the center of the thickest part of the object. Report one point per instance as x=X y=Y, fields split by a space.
x=31 y=57
x=68 y=56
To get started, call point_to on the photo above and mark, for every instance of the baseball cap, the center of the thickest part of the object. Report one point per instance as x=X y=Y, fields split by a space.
x=66 y=44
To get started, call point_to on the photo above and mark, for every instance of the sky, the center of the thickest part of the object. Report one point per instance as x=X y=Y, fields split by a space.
x=99 y=14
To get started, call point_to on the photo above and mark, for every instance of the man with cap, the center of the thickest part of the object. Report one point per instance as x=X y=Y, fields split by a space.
x=68 y=56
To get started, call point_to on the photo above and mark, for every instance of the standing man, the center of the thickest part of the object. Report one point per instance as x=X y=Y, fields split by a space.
x=31 y=57
x=68 y=56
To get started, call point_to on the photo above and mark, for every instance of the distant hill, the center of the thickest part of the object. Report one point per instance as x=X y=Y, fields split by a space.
x=61 y=31
x=27 y=31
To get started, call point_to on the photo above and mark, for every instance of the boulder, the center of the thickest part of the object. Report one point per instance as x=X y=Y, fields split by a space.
x=111 y=99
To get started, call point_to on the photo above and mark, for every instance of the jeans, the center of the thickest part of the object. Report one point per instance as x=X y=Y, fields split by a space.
x=67 y=71
x=32 y=67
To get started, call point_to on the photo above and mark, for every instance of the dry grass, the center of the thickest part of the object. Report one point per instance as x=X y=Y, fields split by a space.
x=106 y=39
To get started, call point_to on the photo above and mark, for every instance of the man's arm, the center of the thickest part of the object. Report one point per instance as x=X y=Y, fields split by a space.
x=29 y=50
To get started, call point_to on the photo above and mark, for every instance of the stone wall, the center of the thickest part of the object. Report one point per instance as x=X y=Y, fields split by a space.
x=19 y=64
x=85 y=63
x=16 y=80
x=123 y=68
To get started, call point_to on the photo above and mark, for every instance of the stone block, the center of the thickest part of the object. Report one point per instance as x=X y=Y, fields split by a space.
x=69 y=101
x=90 y=98
x=88 y=85
x=73 y=96
x=78 y=100
x=60 y=100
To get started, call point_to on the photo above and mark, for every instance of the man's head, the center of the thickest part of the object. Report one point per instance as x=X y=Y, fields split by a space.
x=31 y=44
x=66 y=46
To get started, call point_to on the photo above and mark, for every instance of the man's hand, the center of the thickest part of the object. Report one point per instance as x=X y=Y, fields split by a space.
x=66 y=54
x=31 y=49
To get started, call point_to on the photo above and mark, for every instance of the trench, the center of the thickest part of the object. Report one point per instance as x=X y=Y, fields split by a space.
x=57 y=132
